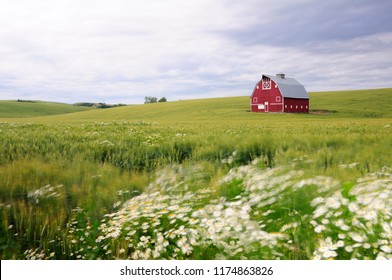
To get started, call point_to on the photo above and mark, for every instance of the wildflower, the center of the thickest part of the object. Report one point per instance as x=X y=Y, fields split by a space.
x=381 y=257
x=367 y=200
x=366 y=246
x=333 y=254
x=353 y=207
x=217 y=214
x=313 y=223
x=386 y=249
x=117 y=204
x=382 y=242
x=172 y=235
x=211 y=230
x=180 y=216
x=371 y=215
x=181 y=231
x=145 y=239
x=341 y=236
x=386 y=227
x=288 y=226
x=355 y=222
x=344 y=201
x=193 y=221
x=356 y=237
x=340 y=223
x=348 y=249
x=186 y=249
x=322 y=248
x=321 y=210
x=229 y=212
x=319 y=228
x=317 y=201
x=332 y=202
x=156 y=254
x=238 y=228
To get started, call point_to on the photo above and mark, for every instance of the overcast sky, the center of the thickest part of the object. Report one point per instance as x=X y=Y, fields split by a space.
x=119 y=51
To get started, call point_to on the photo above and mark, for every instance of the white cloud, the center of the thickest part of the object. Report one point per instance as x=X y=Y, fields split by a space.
x=121 y=51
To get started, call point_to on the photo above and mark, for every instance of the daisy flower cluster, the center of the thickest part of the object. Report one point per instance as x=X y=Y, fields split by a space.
x=170 y=221
x=229 y=227
x=156 y=224
x=187 y=212
x=357 y=224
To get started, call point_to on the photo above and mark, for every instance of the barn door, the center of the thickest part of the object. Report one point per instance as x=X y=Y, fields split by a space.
x=265 y=106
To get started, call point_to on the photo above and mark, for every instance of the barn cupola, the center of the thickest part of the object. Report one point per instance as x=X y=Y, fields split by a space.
x=281 y=75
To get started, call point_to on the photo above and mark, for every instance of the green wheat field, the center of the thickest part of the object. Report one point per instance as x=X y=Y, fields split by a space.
x=198 y=179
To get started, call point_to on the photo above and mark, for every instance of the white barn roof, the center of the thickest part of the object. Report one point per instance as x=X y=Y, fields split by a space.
x=289 y=87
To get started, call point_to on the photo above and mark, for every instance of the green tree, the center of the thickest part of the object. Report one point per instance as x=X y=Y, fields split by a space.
x=150 y=99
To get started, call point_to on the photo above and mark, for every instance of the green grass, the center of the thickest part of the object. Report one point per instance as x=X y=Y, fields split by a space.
x=200 y=179
x=28 y=109
x=371 y=103
x=364 y=103
x=343 y=104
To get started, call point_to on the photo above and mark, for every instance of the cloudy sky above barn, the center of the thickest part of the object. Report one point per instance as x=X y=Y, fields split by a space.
x=119 y=51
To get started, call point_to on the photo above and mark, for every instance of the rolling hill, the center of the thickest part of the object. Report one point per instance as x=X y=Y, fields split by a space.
x=28 y=109
x=374 y=103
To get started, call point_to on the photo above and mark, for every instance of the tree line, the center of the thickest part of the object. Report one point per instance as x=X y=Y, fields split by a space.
x=152 y=99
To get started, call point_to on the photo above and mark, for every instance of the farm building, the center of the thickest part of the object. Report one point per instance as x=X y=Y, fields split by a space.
x=279 y=94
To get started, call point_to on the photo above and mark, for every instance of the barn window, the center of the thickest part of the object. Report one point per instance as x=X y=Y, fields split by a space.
x=254 y=99
x=266 y=83
x=296 y=106
x=285 y=106
x=291 y=106
x=278 y=99
x=306 y=107
x=302 y=107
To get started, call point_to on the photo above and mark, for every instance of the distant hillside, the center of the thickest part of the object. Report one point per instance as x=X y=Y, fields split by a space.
x=98 y=105
x=375 y=103
x=27 y=108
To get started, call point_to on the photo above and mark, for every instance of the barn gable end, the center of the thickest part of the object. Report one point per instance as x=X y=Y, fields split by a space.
x=279 y=94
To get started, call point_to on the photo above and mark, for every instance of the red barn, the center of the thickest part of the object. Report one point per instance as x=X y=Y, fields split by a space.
x=279 y=94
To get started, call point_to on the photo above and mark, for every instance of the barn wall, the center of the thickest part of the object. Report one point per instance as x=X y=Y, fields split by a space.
x=293 y=105
x=271 y=95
